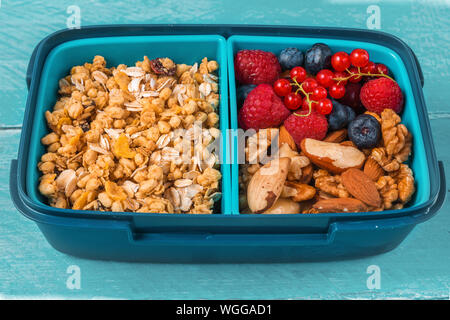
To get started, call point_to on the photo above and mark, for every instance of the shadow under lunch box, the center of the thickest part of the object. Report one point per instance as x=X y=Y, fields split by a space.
x=226 y=235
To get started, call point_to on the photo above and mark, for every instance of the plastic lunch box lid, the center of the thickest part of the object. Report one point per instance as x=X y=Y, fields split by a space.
x=413 y=216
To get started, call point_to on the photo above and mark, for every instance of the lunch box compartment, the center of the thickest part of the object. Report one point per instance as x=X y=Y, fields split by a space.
x=229 y=236
x=121 y=50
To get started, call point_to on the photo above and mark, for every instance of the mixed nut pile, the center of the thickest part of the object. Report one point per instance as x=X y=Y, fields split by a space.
x=328 y=133
x=134 y=138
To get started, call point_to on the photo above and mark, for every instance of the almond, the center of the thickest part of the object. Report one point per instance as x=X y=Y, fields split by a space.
x=361 y=187
x=340 y=205
x=373 y=170
x=323 y=195
x=331 y=156
x=336 y=136
x=285 y=137
x=266 y=184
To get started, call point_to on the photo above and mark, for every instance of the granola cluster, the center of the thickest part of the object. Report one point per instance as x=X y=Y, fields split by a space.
x=308 y=184
x=134 y=138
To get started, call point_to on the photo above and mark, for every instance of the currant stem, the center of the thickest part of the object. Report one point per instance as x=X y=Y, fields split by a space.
x=361 y=74
x=300 y=88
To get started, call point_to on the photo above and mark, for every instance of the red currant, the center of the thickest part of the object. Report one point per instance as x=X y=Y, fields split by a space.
x=337 y=91
x=325 y=106
x=305 y=105
x=293 y=101
x=354 y=79
x=299 y=74
x=325 y=78
x=309 y=85
x=282 y=87
x=369 y=68
x=319 y=93
x=359 y=57
x=340 y=75
x=381 y=68
x=340 y=61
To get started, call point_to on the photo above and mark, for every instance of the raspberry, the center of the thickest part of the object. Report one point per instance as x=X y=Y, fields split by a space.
x=256 y=67
x=262 y=109
x=314 y=126
x=382 y=93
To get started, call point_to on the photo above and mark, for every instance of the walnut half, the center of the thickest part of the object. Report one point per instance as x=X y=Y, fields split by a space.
x=405 y=181
x=396 y=138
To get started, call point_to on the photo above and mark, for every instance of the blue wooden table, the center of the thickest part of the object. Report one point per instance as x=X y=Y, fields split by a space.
x=418 y=269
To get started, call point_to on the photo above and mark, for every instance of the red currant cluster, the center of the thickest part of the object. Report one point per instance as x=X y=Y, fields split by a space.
x=307 y=94
x=311 y=93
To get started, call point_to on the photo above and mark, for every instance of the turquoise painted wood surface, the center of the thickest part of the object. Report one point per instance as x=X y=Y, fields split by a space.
x=29 y=267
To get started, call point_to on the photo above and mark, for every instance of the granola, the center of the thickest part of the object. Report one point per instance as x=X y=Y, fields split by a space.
x=134 y=138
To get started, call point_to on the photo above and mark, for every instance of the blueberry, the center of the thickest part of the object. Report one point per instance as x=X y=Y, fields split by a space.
x=290 y=58
x=340 y=116
x=351 y=114
x=242 y=93
x=318 y=57
x=364 y=131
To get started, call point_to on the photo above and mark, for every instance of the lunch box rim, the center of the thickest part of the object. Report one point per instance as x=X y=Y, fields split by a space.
x=413 y=69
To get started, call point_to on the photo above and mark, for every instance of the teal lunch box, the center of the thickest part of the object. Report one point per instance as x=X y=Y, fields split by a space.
x=227 y=235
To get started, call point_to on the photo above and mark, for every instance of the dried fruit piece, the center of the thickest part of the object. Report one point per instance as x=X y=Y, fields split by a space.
x=122 y=148
x=361 y=187
x=114 y=191
x=266 y=184
x=163 y=66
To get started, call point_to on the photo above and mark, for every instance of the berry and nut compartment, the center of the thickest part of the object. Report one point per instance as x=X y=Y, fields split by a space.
x=134 y=130
x=329 y=126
